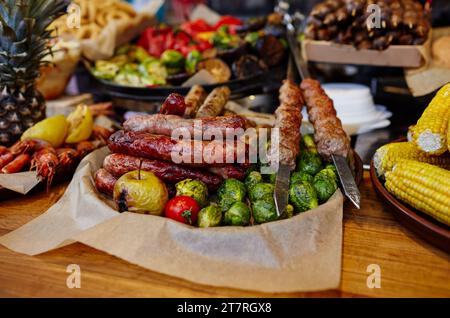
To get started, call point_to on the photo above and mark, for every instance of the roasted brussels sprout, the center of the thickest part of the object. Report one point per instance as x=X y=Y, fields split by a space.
x=264 y=211
x=301 y=176
x=172 y=59
x=195 y=189
x=261 y=191
x=252 y=179
x=309 y=162
x=193 y=58
x=303 y=196
x=209 y=216
x=231 y=191
x=308 y=143
x=106 y=70
x=325 y=184
x=238 y=215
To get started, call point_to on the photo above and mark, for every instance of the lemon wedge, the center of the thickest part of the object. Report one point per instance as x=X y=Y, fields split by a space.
x=52 y=129
x=81 y=124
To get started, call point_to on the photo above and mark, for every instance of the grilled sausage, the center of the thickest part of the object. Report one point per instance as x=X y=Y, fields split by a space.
x=193 y=100
x=118 y=164
x=329 y=135
x=104 y=182
x=214 y=103
x=166 y=124
x=187 y=152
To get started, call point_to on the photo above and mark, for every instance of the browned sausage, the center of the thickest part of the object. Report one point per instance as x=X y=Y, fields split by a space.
x=167 y=124
x=193 y=100
x=119 y=164
x=193 y=153
x=104 y=182
x=214 y=103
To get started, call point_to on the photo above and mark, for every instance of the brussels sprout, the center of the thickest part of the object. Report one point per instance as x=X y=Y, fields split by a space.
x=272 y=178
x=172 y=59
x=301 y=176
x=126 y=77
x=192 y=60
x=326 y=174
x=106 y=70
x=252 y=179
x=251 y=38
x=124 y=49
x=141 y=54
x=303 y=196
x=231 y=191
x=238 y=215
x=309 y=162
x=209 y=216
x=155 y=70
x=194 y=189
x=264 y=211
x=325 y=183
x=331 y=167
x=261 y=191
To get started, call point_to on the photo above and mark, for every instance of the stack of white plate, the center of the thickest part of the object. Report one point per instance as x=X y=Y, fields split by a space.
x=356 y=109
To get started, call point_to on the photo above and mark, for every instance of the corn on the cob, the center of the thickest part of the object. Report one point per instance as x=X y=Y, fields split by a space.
x=423 y=186
x=430 y=133
x=388 y=155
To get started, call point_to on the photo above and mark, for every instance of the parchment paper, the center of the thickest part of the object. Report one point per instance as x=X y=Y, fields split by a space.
x=432 y=75
x=299 y=254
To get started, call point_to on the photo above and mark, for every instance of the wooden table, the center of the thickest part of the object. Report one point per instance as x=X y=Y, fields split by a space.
x=409 y=266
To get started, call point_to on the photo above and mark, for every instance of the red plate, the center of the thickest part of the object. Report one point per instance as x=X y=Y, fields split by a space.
x=425 y=226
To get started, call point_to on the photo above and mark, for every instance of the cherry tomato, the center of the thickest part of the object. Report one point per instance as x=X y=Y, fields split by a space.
x=173 y=105
x=183 y=209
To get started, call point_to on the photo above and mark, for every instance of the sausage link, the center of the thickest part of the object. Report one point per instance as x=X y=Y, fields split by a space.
x=189 y=152
x=104 y=182
x=119 y=164
x=214 y=103
x=193 y=100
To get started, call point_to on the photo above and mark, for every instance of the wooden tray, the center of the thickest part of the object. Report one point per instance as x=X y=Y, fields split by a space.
x=393 y=56
x=425 y=226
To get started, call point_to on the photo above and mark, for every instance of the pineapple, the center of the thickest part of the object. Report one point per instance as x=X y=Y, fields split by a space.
x=23 y=43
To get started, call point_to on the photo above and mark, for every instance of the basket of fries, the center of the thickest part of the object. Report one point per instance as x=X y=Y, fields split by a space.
x=103 y=25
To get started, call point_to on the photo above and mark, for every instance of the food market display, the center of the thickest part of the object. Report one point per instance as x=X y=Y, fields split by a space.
x=417 y=171
x=402 y=22
x=166 y=55
x=141 y=177
x=55 y=145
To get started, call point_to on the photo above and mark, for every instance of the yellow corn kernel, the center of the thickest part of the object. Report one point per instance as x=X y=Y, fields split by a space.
x=423 y=186
x=388 y=155
x=430 y=133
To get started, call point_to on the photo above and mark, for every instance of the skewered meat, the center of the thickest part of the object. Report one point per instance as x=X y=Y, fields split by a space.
x=167 y=124
x=193 y=100
x=193 y=153
x=329 y=134
x=214 y=103
x=288 y=121
x=119 y=164
x=104 y=182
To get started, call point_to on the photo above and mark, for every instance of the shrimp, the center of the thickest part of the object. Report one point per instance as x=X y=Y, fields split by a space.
x=104 y=109
x=45 y=161
x=22 y=146
x=101 y=133
x=85 y=147
x=66 y=158
x=6 y=158
x=3 y=150
x=17 y=164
